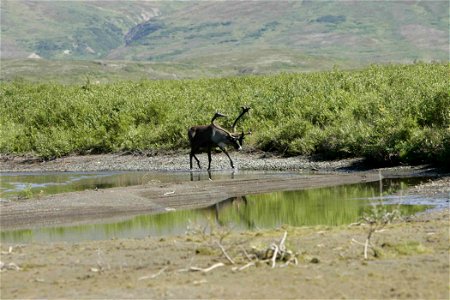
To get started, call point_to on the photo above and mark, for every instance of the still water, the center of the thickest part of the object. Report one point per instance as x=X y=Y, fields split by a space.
x=322 y=206
x=28 y=185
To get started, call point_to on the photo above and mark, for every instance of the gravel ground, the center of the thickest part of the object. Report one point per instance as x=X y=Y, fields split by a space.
x=180 y=162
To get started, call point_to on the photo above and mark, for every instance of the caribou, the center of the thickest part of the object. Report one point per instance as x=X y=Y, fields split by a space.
x=207 y=137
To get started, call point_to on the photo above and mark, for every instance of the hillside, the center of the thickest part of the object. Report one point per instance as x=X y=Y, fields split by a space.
x=225 y=37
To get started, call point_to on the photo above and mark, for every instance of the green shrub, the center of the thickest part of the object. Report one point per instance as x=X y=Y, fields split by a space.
x=388 y=114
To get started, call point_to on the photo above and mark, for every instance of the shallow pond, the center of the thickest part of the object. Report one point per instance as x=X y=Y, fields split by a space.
x=322 y=206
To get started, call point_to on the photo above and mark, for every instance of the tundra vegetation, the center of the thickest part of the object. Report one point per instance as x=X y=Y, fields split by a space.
x=385 y=113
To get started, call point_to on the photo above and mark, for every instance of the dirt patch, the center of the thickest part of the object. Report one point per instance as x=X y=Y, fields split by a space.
x=411 y=262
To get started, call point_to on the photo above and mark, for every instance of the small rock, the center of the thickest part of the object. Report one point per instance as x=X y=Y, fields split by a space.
x=314 y=260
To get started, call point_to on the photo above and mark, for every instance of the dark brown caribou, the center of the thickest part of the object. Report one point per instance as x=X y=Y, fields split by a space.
x=206 y=137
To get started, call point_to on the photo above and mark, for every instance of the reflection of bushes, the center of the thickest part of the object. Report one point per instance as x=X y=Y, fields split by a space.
x=384 y=113
x=323 y=206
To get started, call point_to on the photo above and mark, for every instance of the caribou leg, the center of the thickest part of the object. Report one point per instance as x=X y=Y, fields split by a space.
x=192 y=154
x=225 y=151
x=209 y=159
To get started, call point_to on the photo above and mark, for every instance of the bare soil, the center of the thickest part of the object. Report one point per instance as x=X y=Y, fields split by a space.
x=412 y=258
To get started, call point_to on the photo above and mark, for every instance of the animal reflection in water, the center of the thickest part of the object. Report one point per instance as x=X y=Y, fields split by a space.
x=238 y=206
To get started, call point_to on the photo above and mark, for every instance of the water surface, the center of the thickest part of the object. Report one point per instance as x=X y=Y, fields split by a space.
x=29 y=185
x=321 y=206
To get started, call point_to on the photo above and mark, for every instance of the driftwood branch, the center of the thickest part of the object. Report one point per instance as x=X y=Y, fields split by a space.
x=206 y=270
x=246 y=266
x=275 y=255
x=275 y=249
x=225 y=253
x=10 y=266
x=283 y=239
x=154 y=275
x=246 y=254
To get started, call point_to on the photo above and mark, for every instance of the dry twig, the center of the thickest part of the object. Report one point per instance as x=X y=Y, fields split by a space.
x=225 y=253
x=154 y=275
x=195 y=269
x=275 y=249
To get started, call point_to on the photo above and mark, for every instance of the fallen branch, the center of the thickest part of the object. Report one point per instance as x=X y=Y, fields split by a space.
x=154 y=275
x=283 y=239
x=10 y=249
x=246 y=266
x=275 y=252
x=10 y=266
x=357 y=242
x=246 y=254
x=225 y=253
x=195 y=269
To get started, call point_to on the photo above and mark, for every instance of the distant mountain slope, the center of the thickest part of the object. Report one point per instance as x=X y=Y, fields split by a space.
x=70 y=29
x=352 y=29
x=249 y=36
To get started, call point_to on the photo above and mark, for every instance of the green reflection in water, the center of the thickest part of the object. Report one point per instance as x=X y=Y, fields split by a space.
x=325 y=206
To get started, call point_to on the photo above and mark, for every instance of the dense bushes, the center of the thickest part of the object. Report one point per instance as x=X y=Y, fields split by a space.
x=398 y=113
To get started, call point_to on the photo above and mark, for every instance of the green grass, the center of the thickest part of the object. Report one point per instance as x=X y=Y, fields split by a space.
x=387 y=114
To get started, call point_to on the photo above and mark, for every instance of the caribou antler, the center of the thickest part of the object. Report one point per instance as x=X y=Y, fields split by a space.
x=242 y=135
x=244 y=110
x=216 y=115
